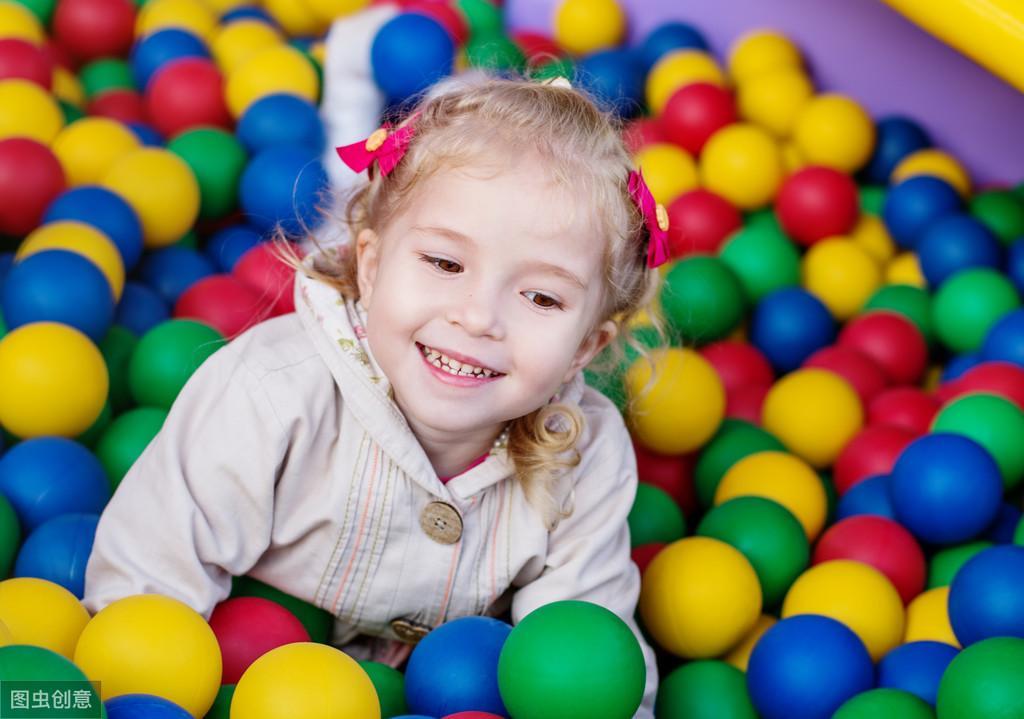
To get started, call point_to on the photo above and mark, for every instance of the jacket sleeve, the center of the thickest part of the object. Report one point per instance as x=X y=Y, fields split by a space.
x=589 y=552
x=197 y=506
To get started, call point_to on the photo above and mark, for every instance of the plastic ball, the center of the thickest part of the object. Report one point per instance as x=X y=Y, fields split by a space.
x=161 y=188
x=125 y=106
x=673 y=475
x=26 y=61
x=734 y=440
x=699 y=222
x=81 y=239
x=912 y=205
x=789 y=325
x=871 y=452
x=667 y=37
x=30 y=178
x=841 y=274
x=33 y=664
x=643 y=131
x=699 y=597
x=318 y=622
x=140 y=309
x=969 y=304
x=863 y=374
x=237 y=41
x=807 y=666
x=761 y=51
x=217 y=160
x=916 y=668
x=762 y=258
x=954 y=243
x=1005 y=340
x=571 y=658
x=283 y=186
x=172 y=270
x=739 y=655
x=107 y=212
x=835 y=131
x=897 y=137
x=815 y=203
x=274 y=70
x=906 y=407
x=58 y=551
x=891 y=341
x=873 y=238
x=998 y=378
x=946 y=488
x=914 y=303
x=984 y=594
x=166 y=357
x=738 y=364
x=683 y=406
x=186 y=93
x=695 y=112
x=192 y=15
x=247 y=628
x=18 y=21
x=10 y=541
x=702 y=300
x=91 y=29
x=409 y=54
x=983 y=681
x=945 y=563
x=225 y=247
x=43 y=614
x=668 y=170
x=30 y=111
x=775 y=99
x=390 y=686
x=928 y=618
x=995 y=423
x=676 y=69
x=904 y=269
x=654 y=517
x=869 y=496
x=125 y=439
x=88 y=148
x=884 y=702
x=586 y=26
x=936 y=163
x=743 y=164
x=1001 y=212
x=223 y=302
x=154 y=51
x=615 y=79
x=705 y=688
x=143 y=706
x=281 y=119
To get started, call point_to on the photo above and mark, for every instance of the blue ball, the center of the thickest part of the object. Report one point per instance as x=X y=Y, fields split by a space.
x=1004 y=526
x=960 y=364
x=1015 y=264
x=1005 y=340
x=917 y=668
x=154 y=51
x=897 y=137
x=58 y=551
x=147 y=134
x=987 y=594
x=227 y=246
x=616 y=80
x=912 y=205
x=6 y=262
x=455 y=668
x=107 y=212
x=409 y=54
x=58 y=286
x=789 y=325
x=140 y=309
x=172 y=270
x=247 y=12
x=281 y=119
x=283 y=186
x=143 y=706
x=668 y=37
x=956 y=242
x=805 y=667
x=869 y=496
x=45 y=477
x=945 y=488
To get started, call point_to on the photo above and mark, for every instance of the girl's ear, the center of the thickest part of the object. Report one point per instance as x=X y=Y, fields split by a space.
x=602 y=335
x=367 y=247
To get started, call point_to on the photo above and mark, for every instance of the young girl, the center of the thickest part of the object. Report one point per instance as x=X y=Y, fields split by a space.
x=416 y=443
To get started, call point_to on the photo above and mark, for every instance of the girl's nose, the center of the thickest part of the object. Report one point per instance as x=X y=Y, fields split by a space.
x=478 y=315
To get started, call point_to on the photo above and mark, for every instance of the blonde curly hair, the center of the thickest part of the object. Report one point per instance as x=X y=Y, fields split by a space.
x=584 y=147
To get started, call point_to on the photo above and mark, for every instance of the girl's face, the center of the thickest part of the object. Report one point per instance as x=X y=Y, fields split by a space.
x=491 y=267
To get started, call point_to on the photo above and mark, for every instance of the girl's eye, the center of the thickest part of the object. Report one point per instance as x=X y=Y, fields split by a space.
x=441 y=263
x=554 y=304
x=545 y=303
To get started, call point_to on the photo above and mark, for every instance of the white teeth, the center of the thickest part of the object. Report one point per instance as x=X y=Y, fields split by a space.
x=453 y=366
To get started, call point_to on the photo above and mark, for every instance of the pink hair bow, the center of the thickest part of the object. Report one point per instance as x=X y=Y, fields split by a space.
x=655 y=217
x=387 y=148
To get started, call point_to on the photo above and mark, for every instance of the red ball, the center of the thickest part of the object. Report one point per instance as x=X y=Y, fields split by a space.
x=186 y=93
x=815 y=203
x=223 y=302
x=58 y=55
x=23 y=60
x=738 y=364
x=641 y=132
x=91 y=29
x=862 y=372
x=445 y=15
x=745 y=403
x=673 y=474
x=880 y=543
x=892 y=341
x=539 y=49
x=247 y=628
x=908 y=408
x=699 y=223
x=263 y=270
x=643 y=554
x=871 y=451
x=695 y=112
x=1001 y=378
x=31 y=176
x=125 y=106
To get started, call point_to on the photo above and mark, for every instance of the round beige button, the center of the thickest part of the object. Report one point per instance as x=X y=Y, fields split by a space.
x=409 y=632
x=441 y=522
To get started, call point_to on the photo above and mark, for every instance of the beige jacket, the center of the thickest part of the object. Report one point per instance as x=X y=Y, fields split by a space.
x=285 y=458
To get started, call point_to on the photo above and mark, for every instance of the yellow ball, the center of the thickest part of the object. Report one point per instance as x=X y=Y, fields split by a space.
x=586 y=26
x=195 y=16
x=27 y=110
x=220 y=7
x=295 y=16
x=162 y=190
x=330 y=10
x=871 y=235
x=782 y=478
x=17 y=21
x=67 y=87
x=855 y=594
x=936 y=163
x=41 y=613
x=83 y=239
x=90 y=146
x=683 y=406
x=54 y=381
x=6 y=636
x=699 y=597
x=676 y=69
x=668 y=169
x=743 y=164
x=774 y=99
x=238 y=41
x=792 y=160
x=835 y=131
x=814 y=413
x=842 y=274
x=152 y=644
x=928 y=618
x=904 y=269
x=762 y=51
x=739 y=657
x=276 y=69
x=305 y=680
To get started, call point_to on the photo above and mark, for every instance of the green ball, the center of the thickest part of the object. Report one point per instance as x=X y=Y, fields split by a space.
x=217 y=158
x=561 y=67
x=914 y=303
x=885 y=704
x=702 y=299
x=983 y=681
x=768 y=535
x=126 y=438
x=655 y=517
x=1002 y=212
x=571 y=660
x=166 y=357
x=71 y=112
x=1018 y=534
x=734 y=440
x=482 y=16
x=104 y=75
x=10 y=537
x=762 y=258
x=318 y=622
x=117 y=349
x=706 y=689
x=494 y=51
x=25 y=663
x=221 y=708
x=994 y=422
x=945 y=563
x=872 y=199
x=42 y=9
x=390 y=686
x=98 y=428
x=968 y=304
